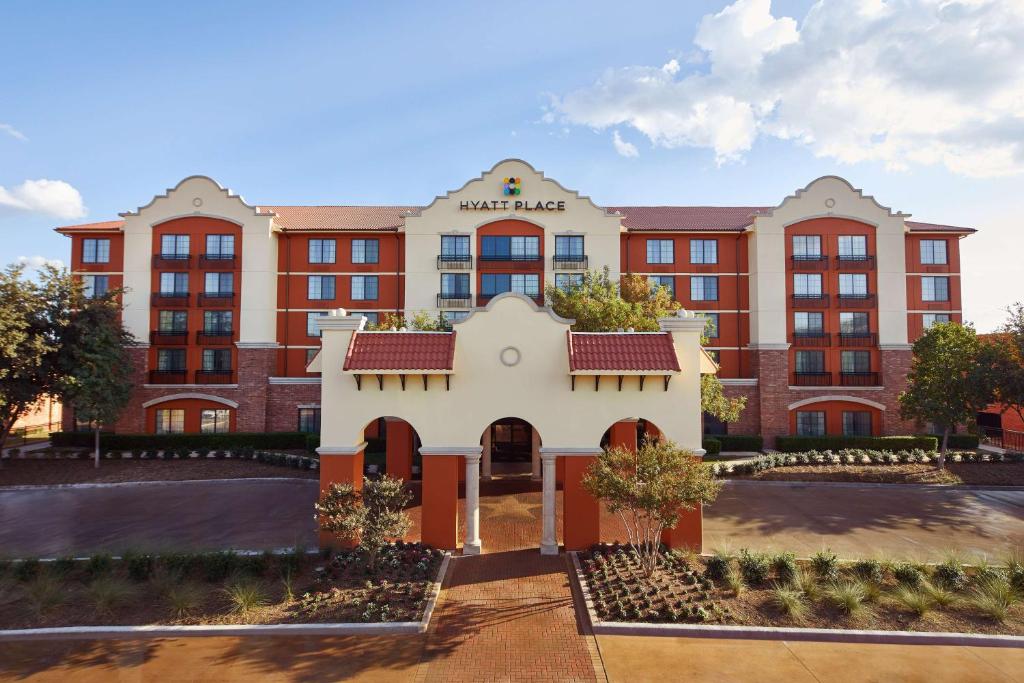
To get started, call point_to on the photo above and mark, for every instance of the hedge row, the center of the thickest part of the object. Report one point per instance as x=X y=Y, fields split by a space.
x=957 y=441
x=230 y=440
x=712 y=446
x=739 y=442
x=855 y=456
x=802 y=444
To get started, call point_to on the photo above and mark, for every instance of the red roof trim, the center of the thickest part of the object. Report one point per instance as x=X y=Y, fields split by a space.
x=621 y=352
x=395 y=351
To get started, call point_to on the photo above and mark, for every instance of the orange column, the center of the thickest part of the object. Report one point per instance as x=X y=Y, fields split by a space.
x=582 y=515
x=399 y=444
x=560 y=470
x=346 y=468
x=624 y=435
x=688 y=532
x=440 y=523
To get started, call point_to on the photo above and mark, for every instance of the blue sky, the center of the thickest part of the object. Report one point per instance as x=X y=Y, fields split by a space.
x=666 y=103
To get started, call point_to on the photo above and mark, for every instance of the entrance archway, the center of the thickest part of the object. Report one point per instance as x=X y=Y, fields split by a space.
x=510 y=505
x=510 y=447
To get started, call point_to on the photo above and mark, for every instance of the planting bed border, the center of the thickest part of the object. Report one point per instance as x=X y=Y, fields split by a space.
x=828 y=635
x=172 y=631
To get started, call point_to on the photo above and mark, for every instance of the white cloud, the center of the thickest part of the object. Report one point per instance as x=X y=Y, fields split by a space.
x=52 y=197
x=901 y=82
x=626 y=149
x=37 y=262
x=13 y=132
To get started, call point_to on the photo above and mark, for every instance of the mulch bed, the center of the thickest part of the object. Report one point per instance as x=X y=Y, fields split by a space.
x=979 y=474
x=18 y=472
x=680 y=592
x=334 y=590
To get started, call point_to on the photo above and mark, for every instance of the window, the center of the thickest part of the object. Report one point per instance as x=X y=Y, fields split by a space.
x=365 y=251
x=711 y=327
x=95 y=286
x=704 y=288
x=172 y=321
x=856 y=423
x=170 y=360
x=454 y=247
x=566 y=281
x=174 y=283
x=217 y=360
x=568 y=247
x=501 y=248
x=174 y=246
x=96 y=251
x=322 y=251
x=525 y=247
x=526 y=284
x=666 y=281
x=455 y=285
x=853 y=285
x=219 y=283
x=806 y=247
x=810 y=423
x=216 y=322
x=309 y=420
x=312 y=330
x=808 y=323
x=660 y=251
x=455 y=316
x=807 y=285
x=215 y=421
x=364 y=287
x=703 y=251
x=220 y=246
x=492 y=284
x=810 y=361
x=311 y=354
x=320 y=287
x=933 y=252
x=856 y=362
x=935 y=289
x=853 y=323
x=853 y=246
x=929 y=319
x=170 y=421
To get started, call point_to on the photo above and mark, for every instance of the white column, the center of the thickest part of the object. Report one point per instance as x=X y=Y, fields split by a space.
x=486 y=473
x=472 y=545
x=535 y=458
x=548 y=539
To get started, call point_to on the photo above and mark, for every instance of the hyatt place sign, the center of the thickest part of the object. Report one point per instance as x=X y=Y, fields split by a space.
x=511 y=186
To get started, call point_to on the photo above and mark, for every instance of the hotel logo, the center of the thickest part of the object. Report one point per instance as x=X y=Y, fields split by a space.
x=512 y=186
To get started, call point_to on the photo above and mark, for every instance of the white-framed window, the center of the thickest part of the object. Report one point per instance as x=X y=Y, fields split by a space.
x=170 y=421
x=526 y=283
x=711 y=326
x=312 y=329
x=219 y=283
x=703 y=288
x=215 y=421
x=933 y=252
x=856 y=423
x=806 y=246
x=323 y=251
x=666 y=281
x=366 y=251
x=703 y=251
x=309 y=420
x=364 y=287
x=320 y=287
x=524 y=247
x=660 y=251
x=935 y=288
x=95 y=286
x=855 y=362
x=174 y=283
x=808 y=322
x=220 y=246
x=810 y=423
x=853 y=246
x=853 y=284
x=568 y=246
x=454 y=247
x=311 y=354
x=455 y=316
x=929 y=319
x=96 y=250
x=566 y=281
x=174 y=246
x=455 y=285
x=807 y=284
x=853 y=323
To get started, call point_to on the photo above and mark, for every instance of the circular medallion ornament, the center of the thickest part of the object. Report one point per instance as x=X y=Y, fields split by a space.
x=197 y=202
x=510 y=356
x=830 y=202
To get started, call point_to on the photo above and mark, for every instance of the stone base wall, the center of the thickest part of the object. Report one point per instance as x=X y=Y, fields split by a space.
x=283 y=401
x=750 y=418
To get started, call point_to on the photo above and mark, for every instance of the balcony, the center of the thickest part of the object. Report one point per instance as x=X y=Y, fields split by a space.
x=217 y=261
x=170 y=299
x=214 y=337
x=454 y=262
x=216 y=299
x=810 y=300
x=168 y=376
x=856 y=339
x=856 y=301
x=454 y=300
x=850 y=262
x=168 y=337
x=510 y=262
x=569 y=262
x=171 y=261
x=812 y=379
x=810 y=338
x=482 y=299
x=806 y=262
x=858 y=379
x=214 y=377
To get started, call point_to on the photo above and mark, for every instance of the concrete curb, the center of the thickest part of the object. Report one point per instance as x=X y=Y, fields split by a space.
x=243 y=630
x=158 y=482
x=828 y=635
x=854 y=484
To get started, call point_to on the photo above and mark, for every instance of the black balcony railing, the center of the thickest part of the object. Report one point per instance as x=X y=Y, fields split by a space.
x=810 y=339
x=856 y=301
x=810 y=300
x=454 y=262
x=216 y=299
x=170 y=299
x=808 y=262
x=455 y=300
x=858 y=379
x=812 y=379
x=214 y=376
x=219 y=337
x=569 y=262
x=850 y=262
x=172 y=261
x=217 y=261
x=171 y=337
x=168 y=376
x=856 y=339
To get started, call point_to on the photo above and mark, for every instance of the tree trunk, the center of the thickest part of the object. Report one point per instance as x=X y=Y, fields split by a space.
x=942 y=449
x=96 y=461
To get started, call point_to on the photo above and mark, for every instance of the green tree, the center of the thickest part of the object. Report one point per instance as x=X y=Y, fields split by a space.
x=648 y=489
x=1007 y=349
x=370 y=517
x=949 y=381
x=600 y=304
x=421 y=321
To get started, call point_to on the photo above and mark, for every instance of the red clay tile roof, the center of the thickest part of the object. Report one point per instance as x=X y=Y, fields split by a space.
x=413 y=351
x=103 y=226
x=918 y=226
x=339 y=217
x=705 y=218
x=622 y=351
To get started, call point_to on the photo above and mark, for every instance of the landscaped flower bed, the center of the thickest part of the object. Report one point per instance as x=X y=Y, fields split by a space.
x=754 y=589
x=219 y=588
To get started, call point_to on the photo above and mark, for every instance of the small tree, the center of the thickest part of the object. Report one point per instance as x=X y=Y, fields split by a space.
x=421 y=321
x=370 y=517
x=949 y=380
x=1007 y=349
x=648 y=489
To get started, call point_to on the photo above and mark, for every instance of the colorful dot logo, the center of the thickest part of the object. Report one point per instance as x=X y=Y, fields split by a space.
x=512 y=185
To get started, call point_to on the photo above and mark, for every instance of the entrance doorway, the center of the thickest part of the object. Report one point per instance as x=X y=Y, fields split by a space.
x=511 y=441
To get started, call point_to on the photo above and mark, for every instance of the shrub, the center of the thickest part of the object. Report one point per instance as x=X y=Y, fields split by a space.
x=312 y=442
x=139 y=567
x=755 y=567
x=740 y=442
x=785 y=568
x=847 y=596
x=181 y=565
x=108 y=593
x=790 y=602
x=62 y=566
x=228 y=440
x=826 y=565
x=917 y=601
x=907 y=575
x=957 y=441
x=1014 y=569
x=184 y=598
x=940 y=596
x=711 y=445
x=994 y=598
x=99 y=565
x=718 y=567
x=869 y=570
x=951 y=574
x=245 y=596
x=806 y=584
x=219 y=566
x=734 y=580
x=798 y=444
x=45 y=592
x=26 y=570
